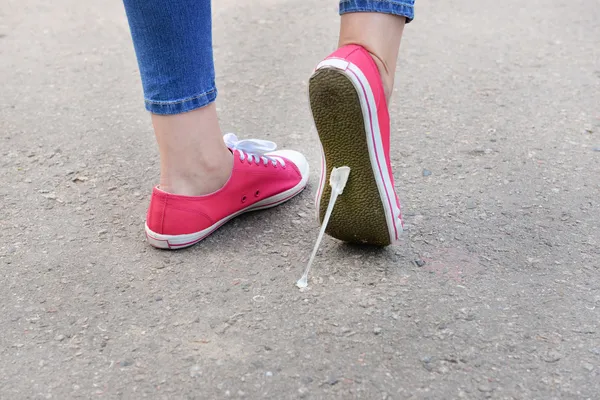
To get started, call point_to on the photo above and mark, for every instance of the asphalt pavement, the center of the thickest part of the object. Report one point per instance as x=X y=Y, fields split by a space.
x=494 y=291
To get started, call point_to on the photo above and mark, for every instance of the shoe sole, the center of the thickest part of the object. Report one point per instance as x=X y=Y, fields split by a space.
x=349 y=133
x=175 y=242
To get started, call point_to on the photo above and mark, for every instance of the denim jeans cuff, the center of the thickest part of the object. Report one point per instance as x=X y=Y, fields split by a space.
x=403 y=8
x=183 y=105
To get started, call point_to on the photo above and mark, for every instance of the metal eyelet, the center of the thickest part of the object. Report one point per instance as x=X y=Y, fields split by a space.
x=257 y=193
x=244 y=198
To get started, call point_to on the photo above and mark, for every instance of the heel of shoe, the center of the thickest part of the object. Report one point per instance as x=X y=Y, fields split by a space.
x=154 y=240
x=175 y=226
x=154 y=222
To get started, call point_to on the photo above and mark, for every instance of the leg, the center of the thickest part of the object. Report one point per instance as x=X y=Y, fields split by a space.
x=380 y=35
x=194 y=160
x=173 y=43
x=205 y=179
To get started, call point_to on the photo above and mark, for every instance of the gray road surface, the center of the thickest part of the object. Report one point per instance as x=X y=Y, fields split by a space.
x=499 y=100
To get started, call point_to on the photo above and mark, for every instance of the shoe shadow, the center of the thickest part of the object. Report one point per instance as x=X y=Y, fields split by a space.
x=362 y=249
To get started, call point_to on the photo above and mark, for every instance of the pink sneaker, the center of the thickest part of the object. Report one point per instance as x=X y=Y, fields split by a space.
x=349 y=107
x=261 y=178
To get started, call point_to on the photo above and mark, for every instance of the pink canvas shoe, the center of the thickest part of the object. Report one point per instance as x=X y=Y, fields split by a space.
x=261 y=178
x=350 y=111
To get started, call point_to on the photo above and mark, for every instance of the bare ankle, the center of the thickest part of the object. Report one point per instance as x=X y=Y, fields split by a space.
x=198 y=180
x=387 y=77
x=380 y=34
x=194 y=160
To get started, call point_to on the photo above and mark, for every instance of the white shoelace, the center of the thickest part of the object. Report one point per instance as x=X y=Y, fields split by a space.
x=253 y=149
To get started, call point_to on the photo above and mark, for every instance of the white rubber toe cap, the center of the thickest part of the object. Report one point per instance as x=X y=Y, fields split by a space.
x=295 y=157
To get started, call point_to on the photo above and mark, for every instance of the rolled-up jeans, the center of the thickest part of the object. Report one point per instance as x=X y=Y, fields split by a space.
x=173 y=45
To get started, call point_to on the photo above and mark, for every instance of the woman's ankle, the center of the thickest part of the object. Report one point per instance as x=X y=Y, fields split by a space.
x=387 y=77
x=380 y=34
x=196 y=180
x=194 y=159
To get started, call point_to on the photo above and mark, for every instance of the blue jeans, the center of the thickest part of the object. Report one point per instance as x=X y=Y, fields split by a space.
x=173 y=45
